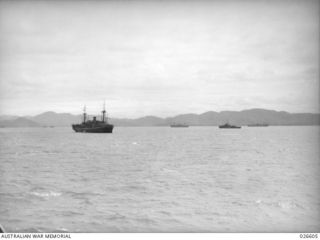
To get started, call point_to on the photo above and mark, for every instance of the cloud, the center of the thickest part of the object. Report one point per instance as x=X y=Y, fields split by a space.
x=159 y=57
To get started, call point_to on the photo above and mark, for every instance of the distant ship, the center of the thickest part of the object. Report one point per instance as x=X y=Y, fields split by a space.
x=227 y=125
x=94 y=126
x=179 y=125
x=258 y=125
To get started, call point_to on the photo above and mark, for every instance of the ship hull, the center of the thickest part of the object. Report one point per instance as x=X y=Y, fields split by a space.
x=229 y=127
x=258 y=125
x=101 y=129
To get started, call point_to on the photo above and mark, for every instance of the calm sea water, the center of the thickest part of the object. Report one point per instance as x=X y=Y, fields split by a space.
x=160 y=179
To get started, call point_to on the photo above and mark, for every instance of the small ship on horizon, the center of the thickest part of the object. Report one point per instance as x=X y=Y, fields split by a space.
x=227 y=125
x=179 y=125
x=258 y=125
x=94 y=126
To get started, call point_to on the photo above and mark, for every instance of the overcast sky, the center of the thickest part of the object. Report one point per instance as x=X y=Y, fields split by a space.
x=159 y=57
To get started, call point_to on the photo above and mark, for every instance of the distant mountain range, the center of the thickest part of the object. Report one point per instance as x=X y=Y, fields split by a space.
x=19 y=122
x=245 y=117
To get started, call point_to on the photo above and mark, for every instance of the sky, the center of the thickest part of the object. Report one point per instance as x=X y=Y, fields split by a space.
x=159 y=58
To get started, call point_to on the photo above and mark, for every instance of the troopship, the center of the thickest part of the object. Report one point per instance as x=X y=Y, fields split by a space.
x=227 y=125
x=258 y=125
x=179 y=125
x=94 y=126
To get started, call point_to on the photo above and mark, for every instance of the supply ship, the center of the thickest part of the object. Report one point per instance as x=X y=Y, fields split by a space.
x=94 y=125
x=179 y=125
x=258 y=125
x=227 y=125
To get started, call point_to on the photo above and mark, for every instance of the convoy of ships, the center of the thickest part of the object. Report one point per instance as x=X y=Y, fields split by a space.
x=226 y=125
x=102 y=126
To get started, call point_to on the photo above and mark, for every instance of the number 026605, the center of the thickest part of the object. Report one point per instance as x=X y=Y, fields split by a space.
x=309 y=235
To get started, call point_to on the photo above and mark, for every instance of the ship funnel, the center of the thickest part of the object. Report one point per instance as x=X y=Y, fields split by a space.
x=84 y=114
x=104 y=111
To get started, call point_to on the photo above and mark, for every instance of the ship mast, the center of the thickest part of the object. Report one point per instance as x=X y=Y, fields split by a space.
x=84 y=114
x=103 y=111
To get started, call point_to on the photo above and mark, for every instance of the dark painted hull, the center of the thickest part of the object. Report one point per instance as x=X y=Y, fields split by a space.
x=101 y=129
x=232 y=127
x=258 y=125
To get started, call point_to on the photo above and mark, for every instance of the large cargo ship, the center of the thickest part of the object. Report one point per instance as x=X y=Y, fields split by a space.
x=94 y=125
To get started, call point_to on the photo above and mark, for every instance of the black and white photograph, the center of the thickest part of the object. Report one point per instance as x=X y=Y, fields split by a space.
x=182 y=116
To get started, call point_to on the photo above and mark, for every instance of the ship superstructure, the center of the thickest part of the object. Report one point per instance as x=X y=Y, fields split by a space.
x=94 y=125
